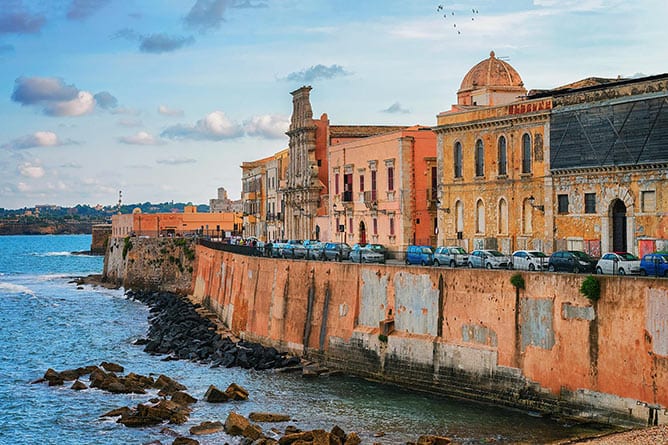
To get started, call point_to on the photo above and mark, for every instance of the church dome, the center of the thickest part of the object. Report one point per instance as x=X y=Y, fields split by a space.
x=491 y=72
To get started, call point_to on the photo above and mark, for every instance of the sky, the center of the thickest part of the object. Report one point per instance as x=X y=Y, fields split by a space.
x=164 y=99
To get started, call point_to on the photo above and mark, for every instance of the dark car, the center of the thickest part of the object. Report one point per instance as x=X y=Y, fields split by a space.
x=654 y=264
x=571 y=261
x=315 y=251
x=336 y=251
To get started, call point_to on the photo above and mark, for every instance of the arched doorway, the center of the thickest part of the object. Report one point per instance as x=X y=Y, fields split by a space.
x=619 y=226
x=362 y=233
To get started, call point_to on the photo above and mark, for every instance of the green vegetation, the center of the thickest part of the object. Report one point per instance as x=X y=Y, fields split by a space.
x=517 y=280
x=127 y=246
x=382 y=338
x=591 y=288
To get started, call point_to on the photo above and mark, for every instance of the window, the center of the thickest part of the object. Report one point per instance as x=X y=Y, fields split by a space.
x=527 y=220
x=590 y=202
x=479 y=158
x=373 y=185
x=480 y=217
x=350 y=225
x=526 y=153
x=348 y=187
x=362 y=182
x=336 y=183
x=562 y=203
x=391 y=226
x=503 y=216
x=390 y=178
x=459 y=208
x=458 y=160
x=648 y=201
x=375 y=226
x=503 y=156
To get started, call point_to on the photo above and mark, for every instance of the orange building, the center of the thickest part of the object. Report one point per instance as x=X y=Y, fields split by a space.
x=383 y=189
x=216 y=225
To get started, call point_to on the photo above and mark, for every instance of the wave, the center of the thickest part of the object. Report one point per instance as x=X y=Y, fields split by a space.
x=47 y=254
x=15 y=289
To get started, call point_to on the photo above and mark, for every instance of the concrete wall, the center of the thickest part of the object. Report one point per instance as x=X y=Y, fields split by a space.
x=458 y=332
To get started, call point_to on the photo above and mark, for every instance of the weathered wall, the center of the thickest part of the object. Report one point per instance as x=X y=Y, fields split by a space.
x=457 y=331
x=150 y=263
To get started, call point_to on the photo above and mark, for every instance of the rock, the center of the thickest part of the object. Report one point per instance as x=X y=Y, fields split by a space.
x=115 y=387
x=79 y=385
x=146 y=415
x=321 y=437
x=433 y=440
x=253 y=432
x=117 y=412
x=352 y=438
x=236 y=392
x=169 y=432
x=206 y=428
x=235 y=424
x=305 y=436
x=215 y=395
x=338 y=432
x=53 y=377
x=183 y=398
x=309 y=373
x=291 y=429
x=185 y=441
x=153 y=442
x=268 y=417
x=167 y=385
x=112 y=367
x=378 y=434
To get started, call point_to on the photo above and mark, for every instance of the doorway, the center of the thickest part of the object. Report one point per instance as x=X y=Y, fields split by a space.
x=619 y=226
x=362 y=233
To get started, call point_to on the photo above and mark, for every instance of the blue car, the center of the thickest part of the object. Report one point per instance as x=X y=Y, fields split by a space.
x=654 y=264
x=420 y=255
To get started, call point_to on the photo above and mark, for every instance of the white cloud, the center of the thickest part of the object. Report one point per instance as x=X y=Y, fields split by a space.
x=30 y=170
x=129 y=123
x=140 y=138
x=84 y=103
x=23 y=187
x=166 y=111
x=214 y=126
x=176 y=161
x=37 y=139
x=270 y=126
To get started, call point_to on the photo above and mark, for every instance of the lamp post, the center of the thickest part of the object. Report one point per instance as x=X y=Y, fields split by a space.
x=338 y=226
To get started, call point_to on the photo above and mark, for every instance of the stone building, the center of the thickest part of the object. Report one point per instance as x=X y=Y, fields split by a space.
x=383 y=189
x=275 y=180
x=305 y=196
x=223 y=203
x=254 y=197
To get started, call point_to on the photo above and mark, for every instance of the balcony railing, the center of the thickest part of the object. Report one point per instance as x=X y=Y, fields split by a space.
x=347 y=196
x=370 y=196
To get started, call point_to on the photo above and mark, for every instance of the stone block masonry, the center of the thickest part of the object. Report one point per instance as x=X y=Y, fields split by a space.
x=457 y=332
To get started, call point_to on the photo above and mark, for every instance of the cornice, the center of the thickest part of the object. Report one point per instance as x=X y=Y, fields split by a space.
x=492 y=123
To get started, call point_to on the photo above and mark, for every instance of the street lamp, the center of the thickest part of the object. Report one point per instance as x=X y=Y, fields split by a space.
x=532 y=203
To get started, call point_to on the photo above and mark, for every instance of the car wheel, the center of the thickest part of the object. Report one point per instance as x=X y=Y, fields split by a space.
x=362 y=260
x=622 y=272
x=424 y=263
x=452 y=263
x=576 y=269
x=550 y=268
x=408 y=263
x=437 y=263
x=337 y=257
x=599 y=271
x=643 y=272
x=488 y=265
x=470 y=265
x=532 y=267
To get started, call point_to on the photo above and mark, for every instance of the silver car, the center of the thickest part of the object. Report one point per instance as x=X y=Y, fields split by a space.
x=618 y=263
x=529 y=260
x=488 y=259
x=366 y=255
x=450 y=255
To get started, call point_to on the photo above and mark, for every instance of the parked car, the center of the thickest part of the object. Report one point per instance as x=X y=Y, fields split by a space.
x=365 y=254
x=314 y=251
x=375 y=247
x=298 y=249
x=618 y=263
x=452 y=256
x=654 y=264
x=282 y=250
x=571 y=261
x=488 y=259
x=336 y=251
x=529 y=260
x=420 y=255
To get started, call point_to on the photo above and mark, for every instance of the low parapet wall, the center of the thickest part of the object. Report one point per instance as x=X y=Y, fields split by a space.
x=458 y=332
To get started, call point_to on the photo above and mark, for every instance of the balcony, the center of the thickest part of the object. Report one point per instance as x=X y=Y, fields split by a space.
x=370 y=196
x=432 y=198
x=347 y=196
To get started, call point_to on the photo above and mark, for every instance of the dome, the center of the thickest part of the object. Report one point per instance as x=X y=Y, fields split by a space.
x=491 y=72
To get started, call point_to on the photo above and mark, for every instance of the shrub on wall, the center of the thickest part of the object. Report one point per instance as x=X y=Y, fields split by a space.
x=127 y=246
x=517 y=281
x=591 y=288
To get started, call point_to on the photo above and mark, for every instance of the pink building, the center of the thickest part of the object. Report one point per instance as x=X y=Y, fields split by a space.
x=383 y=189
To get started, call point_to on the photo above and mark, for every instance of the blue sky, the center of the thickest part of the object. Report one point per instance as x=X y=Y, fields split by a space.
x=164 y=99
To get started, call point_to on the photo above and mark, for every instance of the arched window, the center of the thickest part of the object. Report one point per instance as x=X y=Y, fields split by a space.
x=480 y=217
x=527 y=218
x=503 y=216
x=503 y=156
x=526 y=153
x=459 y=208
x=479 y=158
x=458 y=159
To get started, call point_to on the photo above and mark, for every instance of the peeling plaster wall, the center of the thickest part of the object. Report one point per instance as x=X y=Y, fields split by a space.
x=458 y=332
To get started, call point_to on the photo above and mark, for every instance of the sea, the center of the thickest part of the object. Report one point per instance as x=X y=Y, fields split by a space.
x=48 y=321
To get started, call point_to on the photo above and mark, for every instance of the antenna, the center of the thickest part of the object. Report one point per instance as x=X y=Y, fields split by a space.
x=120 y=200
x=504 y=58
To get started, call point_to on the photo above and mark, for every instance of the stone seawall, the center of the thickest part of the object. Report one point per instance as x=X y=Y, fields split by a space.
x=458 y=332
x=150 y=263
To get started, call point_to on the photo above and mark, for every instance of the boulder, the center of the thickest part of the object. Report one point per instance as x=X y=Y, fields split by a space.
x=235 y=424
x=268 y=417
x=112 y=367
x=206 y=428
x=236 y=392
x=117 y=412
x=215 y=395
x=183 y=398
x=305 y=436
x=185 y=441
x=53 y=377
x=338 y=432
x=168 y=385
x=321 y=437
x=291 y=429
x=169 y=432
x=352 y=438
x=433 y=440
x=253 y=432
x=79 y=385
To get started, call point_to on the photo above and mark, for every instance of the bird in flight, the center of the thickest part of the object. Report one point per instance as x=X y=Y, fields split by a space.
x=442 y=8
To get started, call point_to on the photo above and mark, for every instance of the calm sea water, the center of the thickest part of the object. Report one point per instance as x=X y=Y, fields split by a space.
x=46 y=322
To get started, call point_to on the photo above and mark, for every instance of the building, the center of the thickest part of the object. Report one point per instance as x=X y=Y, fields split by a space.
x=215 y=225
x=275 y=182
x=492 y=164
x=306 y=194
x=254 y=197
x=383 y=189
x=223 y=204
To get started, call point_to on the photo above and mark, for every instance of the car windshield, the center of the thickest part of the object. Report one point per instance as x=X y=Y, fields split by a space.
x=375 y=246
x=426 y=250
x=537 y=254
x=627 y=256
x=458 y=250
x=494 y=253
x=581 y=255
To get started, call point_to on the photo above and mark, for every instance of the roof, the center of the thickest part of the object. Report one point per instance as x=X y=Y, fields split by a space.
x=360 y=131
x=491 y=72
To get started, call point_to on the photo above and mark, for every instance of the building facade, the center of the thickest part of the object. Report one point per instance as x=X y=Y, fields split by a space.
x=383 y=189
x=223 y=204
x=254 y=197
x=275 y=178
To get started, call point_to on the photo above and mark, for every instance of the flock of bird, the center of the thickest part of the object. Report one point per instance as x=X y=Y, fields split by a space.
x=441 y=9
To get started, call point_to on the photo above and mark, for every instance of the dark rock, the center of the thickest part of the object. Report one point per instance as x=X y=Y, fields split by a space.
x=352 y=438
x=183 y=398
x=169 y=432
x=235 y=424
x=268 y=417
x=112 y=367
x=215 y=395
x=206 y=428
x=79 y=385
x=338 y=432
x=168 y=385
x=291 y=429
x=433 y=440
x=185 y=441
x=252 y=432
x=117 y=412
x=305 y=436
x=236 y=392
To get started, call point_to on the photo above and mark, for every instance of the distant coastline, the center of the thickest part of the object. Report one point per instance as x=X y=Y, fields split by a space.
x=46 y=227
